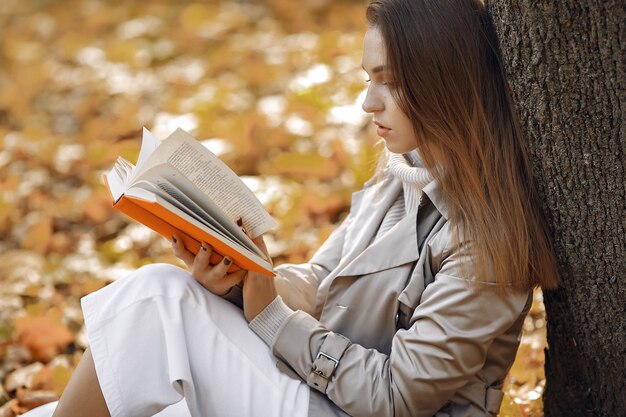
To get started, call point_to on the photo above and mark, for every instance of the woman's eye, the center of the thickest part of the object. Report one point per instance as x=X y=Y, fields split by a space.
x=380 y=82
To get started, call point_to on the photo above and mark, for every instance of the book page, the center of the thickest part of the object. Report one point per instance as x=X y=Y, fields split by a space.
x=148 y=145
x=151 y=197
x=201 y=217
x=214 y=179
x=167 y=182
x=118 y=177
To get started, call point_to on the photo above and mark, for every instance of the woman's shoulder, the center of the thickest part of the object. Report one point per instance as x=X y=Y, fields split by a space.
x=451 y=253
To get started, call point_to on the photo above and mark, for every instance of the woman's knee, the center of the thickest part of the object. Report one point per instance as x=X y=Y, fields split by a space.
x=162 y=277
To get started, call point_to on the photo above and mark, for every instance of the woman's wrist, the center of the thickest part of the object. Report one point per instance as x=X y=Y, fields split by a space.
x=268 y=322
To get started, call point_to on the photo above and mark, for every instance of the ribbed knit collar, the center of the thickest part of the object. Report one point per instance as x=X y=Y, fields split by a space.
x=408 y=169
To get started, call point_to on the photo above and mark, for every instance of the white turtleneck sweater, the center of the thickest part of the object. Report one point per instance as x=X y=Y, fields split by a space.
x=408 y=169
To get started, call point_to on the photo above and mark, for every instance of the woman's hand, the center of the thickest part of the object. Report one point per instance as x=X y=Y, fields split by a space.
x=258 y=289
x=213 y=278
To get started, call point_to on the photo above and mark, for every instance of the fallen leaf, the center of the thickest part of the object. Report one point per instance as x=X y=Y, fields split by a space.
x=98 y=207
x=509 y=408
x=7 y=409
x=43 y=336
x=38 y=236
x=309 y=165
x=30 y=399
x=22 y=377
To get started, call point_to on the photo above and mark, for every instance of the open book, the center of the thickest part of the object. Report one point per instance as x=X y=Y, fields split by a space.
x=180 y=187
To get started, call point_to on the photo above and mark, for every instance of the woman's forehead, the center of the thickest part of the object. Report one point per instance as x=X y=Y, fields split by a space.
x=374 y=52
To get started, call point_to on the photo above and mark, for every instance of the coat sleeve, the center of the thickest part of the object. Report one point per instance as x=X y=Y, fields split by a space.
x=445 y=345
x=297 y=283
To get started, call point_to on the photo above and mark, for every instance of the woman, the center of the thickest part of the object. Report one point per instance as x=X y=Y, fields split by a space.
x=414 y=305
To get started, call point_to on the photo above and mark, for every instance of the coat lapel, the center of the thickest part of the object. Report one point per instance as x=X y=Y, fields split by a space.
x=400 y=245
x=396 y=247
x=369 y=206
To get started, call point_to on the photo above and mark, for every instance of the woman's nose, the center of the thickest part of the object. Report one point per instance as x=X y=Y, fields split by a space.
x=372 y=102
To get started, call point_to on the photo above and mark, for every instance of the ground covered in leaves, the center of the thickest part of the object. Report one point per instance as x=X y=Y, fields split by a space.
x=273 y=86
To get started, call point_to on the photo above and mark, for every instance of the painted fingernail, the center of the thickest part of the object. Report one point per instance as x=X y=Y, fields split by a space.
x=227 y=261
x=203 y=248
x=174 y=239
x=240 y=224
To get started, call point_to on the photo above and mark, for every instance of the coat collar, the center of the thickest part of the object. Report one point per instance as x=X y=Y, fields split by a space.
x=369 y=207
x=433 y=191
x=399 y=245
x=396 y=246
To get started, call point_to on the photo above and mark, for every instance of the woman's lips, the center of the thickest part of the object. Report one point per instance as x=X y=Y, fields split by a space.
x=381 y=130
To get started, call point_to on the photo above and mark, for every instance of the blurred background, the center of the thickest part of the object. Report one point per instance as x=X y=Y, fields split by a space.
x=273 y=87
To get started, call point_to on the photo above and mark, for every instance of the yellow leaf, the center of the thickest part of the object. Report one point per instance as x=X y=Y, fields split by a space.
x=91 y=285
x=61 y=376
x=22 y=50
x=53 y=378
x=98 y=207
x=61 y=243
x=5 y=212
x=509 y=408
x=70 y=43
x=305 y=165
x=38 y=236
x=129 y=51
x=197 y=15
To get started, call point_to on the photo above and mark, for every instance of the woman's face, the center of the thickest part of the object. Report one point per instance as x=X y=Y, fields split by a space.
x=392 y=124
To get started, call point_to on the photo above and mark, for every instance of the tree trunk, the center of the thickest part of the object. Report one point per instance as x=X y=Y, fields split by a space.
x=566 y=66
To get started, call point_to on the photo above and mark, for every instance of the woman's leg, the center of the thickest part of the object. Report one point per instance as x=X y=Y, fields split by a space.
x=83 y=396
x=157 y=336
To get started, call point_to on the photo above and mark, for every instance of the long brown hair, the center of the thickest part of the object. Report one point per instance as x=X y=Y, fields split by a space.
x=448 y=79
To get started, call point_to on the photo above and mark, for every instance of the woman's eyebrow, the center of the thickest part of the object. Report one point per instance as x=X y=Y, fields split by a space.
x=376 y=69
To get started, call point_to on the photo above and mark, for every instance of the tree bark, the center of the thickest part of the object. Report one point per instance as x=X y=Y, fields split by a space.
x=565 y=63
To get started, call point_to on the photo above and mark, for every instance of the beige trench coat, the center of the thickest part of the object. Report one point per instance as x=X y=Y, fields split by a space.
x=401 y=333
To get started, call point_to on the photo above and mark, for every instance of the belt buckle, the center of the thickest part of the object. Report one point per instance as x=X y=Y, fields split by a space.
x=327 y=356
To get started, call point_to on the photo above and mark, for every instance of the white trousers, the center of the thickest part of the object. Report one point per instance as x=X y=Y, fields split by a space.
x=158 y=337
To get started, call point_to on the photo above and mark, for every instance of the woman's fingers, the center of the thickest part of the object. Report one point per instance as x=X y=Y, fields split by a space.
x=214 y=278
x=233 y=279
x=260 y=243
x=219 y=270
x=201 y=261
x=181 y=252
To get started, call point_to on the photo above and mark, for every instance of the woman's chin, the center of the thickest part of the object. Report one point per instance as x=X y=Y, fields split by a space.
x=398 y=148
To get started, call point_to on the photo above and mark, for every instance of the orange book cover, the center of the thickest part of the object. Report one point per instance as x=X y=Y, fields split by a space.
x=167 y=224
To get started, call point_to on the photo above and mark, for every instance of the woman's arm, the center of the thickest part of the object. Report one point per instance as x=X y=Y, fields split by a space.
x=297 y=283
x=445 y=345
